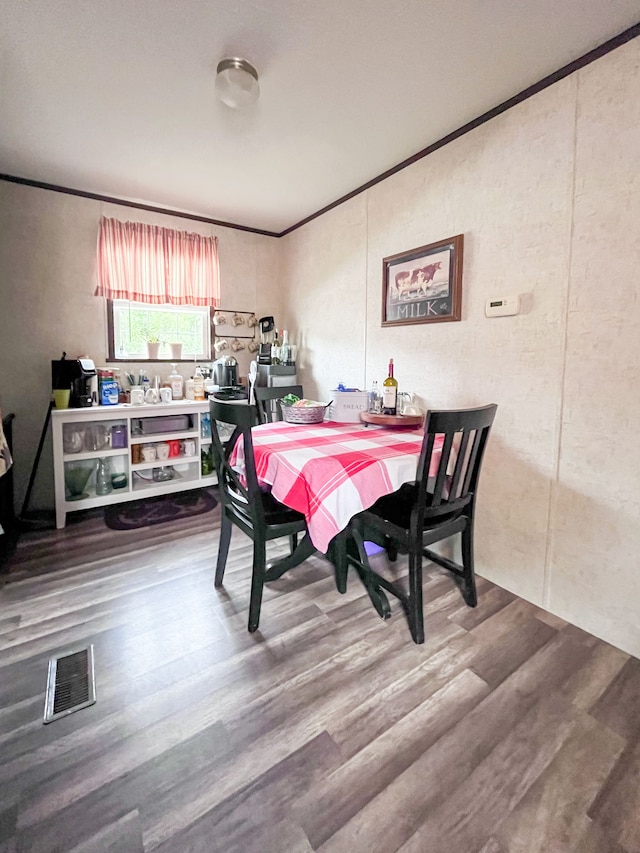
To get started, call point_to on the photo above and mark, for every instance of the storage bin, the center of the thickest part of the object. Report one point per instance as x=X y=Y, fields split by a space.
x=347 y=406
x=164 y=423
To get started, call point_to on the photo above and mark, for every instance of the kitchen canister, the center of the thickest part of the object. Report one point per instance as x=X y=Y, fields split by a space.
x=119 y=480
x=118 y=435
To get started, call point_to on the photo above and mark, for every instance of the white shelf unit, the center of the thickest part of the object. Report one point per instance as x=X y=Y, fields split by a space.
x=74 y=437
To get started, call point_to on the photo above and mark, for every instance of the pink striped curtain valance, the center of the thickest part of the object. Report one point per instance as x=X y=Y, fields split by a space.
x=146 y=263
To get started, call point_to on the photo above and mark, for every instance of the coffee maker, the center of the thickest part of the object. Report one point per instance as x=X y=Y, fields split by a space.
x=225 y=376
x=77 y=374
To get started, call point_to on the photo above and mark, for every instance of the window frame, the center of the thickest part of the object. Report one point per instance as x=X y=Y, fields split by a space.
x=112 y=357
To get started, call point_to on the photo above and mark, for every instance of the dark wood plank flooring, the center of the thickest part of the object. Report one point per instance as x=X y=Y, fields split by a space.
x=509 y=731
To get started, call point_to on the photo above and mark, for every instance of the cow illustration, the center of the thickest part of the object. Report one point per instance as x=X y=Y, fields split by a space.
x=415 y=283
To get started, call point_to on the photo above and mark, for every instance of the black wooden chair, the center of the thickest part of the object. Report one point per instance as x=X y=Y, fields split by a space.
x=256 y=512
x=426 y=511
x=268 y=401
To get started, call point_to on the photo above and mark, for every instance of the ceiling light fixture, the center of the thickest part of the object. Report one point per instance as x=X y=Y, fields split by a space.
x=237 y=83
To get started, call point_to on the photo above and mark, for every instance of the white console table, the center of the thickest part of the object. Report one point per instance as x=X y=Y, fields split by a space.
x=186 y=469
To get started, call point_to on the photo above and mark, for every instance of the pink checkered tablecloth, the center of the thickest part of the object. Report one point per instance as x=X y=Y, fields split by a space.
x=331 y=471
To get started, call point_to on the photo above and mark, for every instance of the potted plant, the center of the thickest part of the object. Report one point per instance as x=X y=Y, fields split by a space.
x=176 y=351
x=153 y=347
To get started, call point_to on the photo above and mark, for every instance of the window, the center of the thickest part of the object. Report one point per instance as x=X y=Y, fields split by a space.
x=161 y=285
x=132 y=324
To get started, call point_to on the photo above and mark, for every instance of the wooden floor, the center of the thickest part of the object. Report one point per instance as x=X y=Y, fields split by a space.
x=327 y=730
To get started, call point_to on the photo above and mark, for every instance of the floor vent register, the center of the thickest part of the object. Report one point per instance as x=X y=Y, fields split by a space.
x=70 y=684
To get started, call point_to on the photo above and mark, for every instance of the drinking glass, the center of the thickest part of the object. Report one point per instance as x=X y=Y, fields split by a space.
x=96 y=437
x=72 y=440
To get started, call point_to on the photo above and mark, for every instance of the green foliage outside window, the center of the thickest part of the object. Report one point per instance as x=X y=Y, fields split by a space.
x=135 y=324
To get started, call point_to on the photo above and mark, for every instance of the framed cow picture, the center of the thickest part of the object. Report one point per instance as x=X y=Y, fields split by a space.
x=423 y=285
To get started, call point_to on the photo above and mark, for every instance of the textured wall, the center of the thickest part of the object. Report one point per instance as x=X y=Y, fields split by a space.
x=324 y=269
x=595 y=538
x=47 y=280
x=547 y=198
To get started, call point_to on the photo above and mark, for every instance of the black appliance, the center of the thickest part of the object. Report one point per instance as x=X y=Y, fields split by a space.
x=267 y=337
x=270 y=375
x=225 y=372
x=77 y=374
x=227 y=394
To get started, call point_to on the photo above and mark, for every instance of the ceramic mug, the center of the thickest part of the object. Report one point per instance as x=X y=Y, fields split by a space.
x=162 y=450
x=148 y=453
x=189 y=447
x=165 y=395
x=137 y=395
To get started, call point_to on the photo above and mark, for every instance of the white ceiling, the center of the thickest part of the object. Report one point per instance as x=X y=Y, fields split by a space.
x=116 y=97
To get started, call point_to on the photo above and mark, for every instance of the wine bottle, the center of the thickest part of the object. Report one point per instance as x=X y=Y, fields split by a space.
x=285 y=349
x=390 y=393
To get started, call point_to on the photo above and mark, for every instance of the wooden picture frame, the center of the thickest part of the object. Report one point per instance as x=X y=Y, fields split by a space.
x=423 y=285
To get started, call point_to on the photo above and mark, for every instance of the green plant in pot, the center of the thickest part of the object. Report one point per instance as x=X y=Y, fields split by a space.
x=153 y=346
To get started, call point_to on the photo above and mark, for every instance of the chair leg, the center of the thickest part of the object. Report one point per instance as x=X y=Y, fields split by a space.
x=414 y=608
x=391 y=549
x=368 y=576
x=468 y=587
x=257 y=583
x=223 y=547
x=338 y=556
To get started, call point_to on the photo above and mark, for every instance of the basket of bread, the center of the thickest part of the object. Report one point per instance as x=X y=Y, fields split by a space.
x=297 y=411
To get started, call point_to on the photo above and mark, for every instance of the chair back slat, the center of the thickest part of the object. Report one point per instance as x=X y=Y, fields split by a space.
x=462 y=459
x=441 y=477
x=268 y=401
x=472 y=469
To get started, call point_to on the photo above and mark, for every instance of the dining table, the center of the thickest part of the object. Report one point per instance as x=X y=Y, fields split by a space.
x=330 y=472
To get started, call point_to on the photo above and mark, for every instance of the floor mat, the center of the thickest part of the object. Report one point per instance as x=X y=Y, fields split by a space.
x=148 y=511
